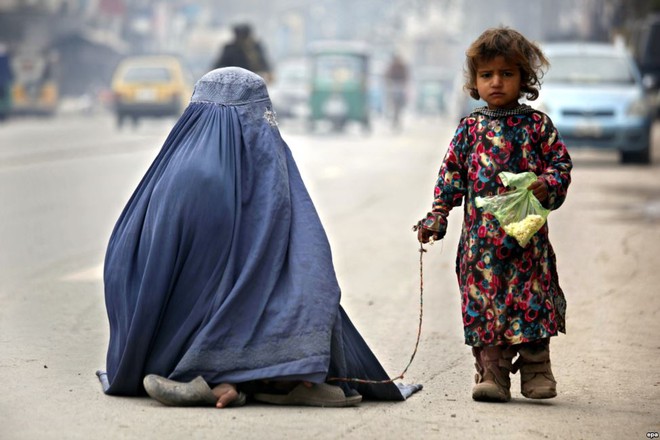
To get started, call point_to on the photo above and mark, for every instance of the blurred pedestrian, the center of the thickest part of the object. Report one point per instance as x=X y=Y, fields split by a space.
x=246 y=52
x=6 y=79
x=396 y=77
x=219 y=281
x=511 y=300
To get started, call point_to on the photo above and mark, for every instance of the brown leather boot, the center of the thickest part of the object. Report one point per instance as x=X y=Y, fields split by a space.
x=536 y=379
x=492 y=378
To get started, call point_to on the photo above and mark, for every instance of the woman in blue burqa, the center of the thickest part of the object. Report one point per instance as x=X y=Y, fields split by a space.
x=219 y=281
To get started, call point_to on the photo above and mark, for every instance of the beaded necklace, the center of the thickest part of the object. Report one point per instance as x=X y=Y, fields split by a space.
x=502 y=112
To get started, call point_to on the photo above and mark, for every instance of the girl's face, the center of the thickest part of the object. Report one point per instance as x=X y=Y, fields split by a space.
x=498 y=83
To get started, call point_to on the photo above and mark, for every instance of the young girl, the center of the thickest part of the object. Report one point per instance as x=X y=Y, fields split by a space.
x=511 y=299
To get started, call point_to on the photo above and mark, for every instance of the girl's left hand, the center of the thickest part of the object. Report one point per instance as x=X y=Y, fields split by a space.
x=540 y=189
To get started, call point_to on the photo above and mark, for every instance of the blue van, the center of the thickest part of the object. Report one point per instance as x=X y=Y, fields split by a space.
x=645 y=45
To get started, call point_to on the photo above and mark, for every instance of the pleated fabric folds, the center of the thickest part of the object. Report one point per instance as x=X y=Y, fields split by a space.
x=219 y=265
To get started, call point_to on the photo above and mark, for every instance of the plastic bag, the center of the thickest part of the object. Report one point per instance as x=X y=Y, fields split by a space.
x=519 y=212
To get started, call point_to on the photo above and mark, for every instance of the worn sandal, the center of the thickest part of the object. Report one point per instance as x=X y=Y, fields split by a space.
x=194 y=393
x=319 y=394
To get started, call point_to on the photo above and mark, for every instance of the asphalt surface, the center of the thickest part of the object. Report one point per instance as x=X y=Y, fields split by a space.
x=64 y=182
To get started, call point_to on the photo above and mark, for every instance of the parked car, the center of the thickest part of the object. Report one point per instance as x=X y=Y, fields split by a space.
x=593 y=93
x=289 y=91
x=150 y=86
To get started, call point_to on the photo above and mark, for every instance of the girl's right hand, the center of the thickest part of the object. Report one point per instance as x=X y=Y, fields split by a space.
x=425 y=235
x=540 y=189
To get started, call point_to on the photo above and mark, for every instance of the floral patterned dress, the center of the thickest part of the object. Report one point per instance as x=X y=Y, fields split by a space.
x=510 y=295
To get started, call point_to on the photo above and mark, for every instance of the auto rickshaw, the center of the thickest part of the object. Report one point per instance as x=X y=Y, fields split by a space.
x=35 y=90
x=338 y=89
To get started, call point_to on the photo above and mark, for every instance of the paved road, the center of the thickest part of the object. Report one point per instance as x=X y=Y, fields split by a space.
x=64 y=182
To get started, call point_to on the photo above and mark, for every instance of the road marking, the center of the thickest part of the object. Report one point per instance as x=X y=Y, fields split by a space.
x=331 y=172
x=94 y=273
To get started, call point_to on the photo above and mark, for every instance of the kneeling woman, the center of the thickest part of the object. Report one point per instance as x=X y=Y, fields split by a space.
x=219 y=280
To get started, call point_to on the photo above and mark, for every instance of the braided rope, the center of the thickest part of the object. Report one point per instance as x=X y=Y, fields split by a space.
x=419 y=332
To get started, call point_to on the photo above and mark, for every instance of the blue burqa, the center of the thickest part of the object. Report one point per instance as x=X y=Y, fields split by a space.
x=219 y=265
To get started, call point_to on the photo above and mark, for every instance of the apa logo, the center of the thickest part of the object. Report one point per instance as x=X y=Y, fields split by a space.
x=652 y=435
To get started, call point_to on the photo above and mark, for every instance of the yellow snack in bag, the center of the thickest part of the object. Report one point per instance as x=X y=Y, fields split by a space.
x=523 y=230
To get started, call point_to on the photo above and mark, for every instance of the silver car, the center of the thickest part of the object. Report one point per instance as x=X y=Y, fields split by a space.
x=289 y=92
x=593 y=93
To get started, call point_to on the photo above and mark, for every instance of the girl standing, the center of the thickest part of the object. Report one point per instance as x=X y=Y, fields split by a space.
x=511 y=300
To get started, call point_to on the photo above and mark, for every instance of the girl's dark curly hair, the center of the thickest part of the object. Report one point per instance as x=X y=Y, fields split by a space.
x=514 y=47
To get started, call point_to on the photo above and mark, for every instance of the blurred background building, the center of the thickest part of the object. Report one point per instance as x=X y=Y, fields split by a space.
x=85 y=39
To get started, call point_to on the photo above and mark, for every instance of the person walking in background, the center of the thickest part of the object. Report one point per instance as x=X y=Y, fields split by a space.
x=511 y=300
x=246 y=52
x=396 y=76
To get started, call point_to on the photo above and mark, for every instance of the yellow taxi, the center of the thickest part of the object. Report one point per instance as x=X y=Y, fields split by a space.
x=150 y=86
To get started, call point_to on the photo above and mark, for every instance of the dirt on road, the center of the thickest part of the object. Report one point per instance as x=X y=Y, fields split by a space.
x=53 y=328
